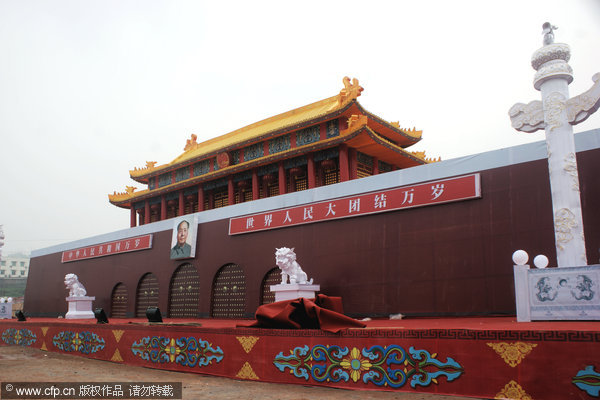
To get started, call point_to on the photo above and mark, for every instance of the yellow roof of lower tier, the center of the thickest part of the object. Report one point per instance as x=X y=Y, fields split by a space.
x=358 y=136
x=194 y=150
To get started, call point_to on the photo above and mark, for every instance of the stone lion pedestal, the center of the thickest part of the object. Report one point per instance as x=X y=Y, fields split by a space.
x=299 y=285
x=80 y=307
x=291 y=291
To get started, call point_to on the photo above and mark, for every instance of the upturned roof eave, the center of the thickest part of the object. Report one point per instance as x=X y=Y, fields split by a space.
x=343 y=137
x=404 y=138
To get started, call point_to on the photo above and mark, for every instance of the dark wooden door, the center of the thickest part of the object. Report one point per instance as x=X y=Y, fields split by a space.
x=273 y=277
x=147 y=294
x=184 y=292
x=229 y=293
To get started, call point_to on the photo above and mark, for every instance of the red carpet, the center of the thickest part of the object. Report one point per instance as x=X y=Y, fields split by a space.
x=479 y=357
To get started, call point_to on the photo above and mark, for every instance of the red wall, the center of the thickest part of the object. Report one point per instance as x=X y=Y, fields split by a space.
x=449 y=259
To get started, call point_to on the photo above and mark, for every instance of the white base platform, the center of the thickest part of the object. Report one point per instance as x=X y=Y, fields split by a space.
x=6 y=310
x=294 y=291
x=554 y=294
x=80 y=307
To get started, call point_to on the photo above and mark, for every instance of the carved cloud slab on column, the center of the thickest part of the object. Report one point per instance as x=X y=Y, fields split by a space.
x=579 y=108
x=527 y=117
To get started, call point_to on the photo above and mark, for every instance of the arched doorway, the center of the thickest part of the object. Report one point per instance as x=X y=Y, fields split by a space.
x=228 y=298
x=146 y=295
x=118 y=301
x=183 y=292
x=273 y=277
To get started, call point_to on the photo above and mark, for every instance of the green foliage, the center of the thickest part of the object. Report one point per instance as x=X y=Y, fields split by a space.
x=12 y=289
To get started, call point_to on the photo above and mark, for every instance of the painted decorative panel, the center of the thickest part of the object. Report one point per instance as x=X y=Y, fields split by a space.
x=182 y=174
x=588 y=380
x=564 y=293
x=235 y=157
x=82 y=342
x=333 y=128
x=185 y=351
x=308 y=135
x=389 y=366
x=479 y=359
x=254 y=151
x=19 y=337
x=279 y=144
x=164 y=179
x=201 y=168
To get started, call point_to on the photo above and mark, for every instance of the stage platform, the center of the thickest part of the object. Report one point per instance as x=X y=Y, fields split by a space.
x=492 y=357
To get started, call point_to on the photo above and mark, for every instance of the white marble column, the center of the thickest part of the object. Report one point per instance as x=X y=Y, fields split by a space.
x=556 y=113
x=552 y=80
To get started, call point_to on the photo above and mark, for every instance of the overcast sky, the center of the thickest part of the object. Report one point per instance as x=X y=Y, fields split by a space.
x=92 y=89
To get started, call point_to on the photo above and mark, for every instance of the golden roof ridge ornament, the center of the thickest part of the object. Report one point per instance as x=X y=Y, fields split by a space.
x=410 y=132
x=421 y=155
x=122 y=195
x=149 y=165
x=357 y=120
x=191 y=143
x=350 y=91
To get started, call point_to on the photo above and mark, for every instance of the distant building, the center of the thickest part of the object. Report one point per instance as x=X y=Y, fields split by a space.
x=14 y=269
x=14 y=266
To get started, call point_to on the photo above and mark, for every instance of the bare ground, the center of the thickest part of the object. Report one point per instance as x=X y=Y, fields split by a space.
x=24 y=364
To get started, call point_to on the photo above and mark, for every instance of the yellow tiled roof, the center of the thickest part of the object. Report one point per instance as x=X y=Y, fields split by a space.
x=358 y=131
x=309 y=112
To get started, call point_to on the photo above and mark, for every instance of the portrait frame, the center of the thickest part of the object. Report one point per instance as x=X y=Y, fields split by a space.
x=188 y=249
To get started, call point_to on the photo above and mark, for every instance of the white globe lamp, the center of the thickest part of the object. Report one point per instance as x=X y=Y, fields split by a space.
x=520 y=257
x=540 y=261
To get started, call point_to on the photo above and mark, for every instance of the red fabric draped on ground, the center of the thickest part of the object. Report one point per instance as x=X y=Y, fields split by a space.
x=323 y=312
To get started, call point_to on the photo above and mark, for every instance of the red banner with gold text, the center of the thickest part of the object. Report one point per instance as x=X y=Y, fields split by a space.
x=423 y=194
x=108 y=249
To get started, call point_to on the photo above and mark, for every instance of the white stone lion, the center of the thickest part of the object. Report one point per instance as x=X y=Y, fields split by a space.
x=75 y=287
x=285 y=258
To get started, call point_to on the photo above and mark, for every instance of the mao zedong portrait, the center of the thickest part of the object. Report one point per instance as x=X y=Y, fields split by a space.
x=182 y=249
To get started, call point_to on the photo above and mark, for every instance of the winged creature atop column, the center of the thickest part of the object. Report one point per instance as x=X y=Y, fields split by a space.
x=550 y=62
